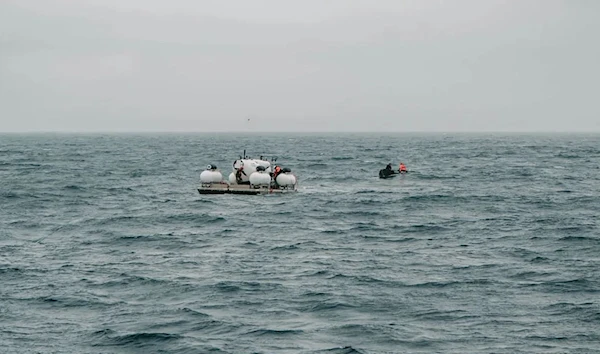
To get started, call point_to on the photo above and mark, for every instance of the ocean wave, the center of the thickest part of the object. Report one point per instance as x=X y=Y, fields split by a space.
x=581 y=285
x=433 y=198
x=213 y=327
x=193 y=312
x=274 y=332
x=445 y=316
x=134 y=280
x=204 y=219
x=579 y=238
x=359 y=213
x=313 y=166
x=14 y=195
x=333 y=232
x=436 y=177
x=588 y=311
x=316 y=273
x=13 y=270
x=529 y=274
x=432 y=284
x=74 y=187
x=137 y=340
x=116 y=190
x=421 y=229
x=329 y=306
x=340 y=350
x=357 y=279
x=367 y=227
x=245 y=286
x=375 y=191
x=87 y=301
x=286 y=248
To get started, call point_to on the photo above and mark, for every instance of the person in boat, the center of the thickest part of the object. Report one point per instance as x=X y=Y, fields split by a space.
x=274 y=174
x=402 y=168
x=238 y=175
x=387 y=171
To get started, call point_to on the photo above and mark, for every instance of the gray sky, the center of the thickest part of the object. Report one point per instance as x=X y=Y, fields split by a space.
x=326 y=65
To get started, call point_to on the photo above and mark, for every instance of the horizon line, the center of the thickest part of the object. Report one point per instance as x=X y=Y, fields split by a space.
x=300 y=132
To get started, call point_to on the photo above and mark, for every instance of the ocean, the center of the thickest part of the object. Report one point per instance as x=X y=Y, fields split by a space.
x=490 y=244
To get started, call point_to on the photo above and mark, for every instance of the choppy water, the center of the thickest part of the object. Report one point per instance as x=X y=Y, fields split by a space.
x=490 y=245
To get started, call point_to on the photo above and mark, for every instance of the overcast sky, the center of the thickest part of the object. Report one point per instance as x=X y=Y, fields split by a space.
x=302 y=65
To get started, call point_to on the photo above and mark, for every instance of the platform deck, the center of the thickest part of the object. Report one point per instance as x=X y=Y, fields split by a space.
x=223 y=188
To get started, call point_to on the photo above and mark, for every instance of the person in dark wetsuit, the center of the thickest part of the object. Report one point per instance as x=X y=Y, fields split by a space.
x=386 y=172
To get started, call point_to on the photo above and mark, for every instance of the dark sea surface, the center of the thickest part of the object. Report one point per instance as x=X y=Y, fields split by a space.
x=491 y=244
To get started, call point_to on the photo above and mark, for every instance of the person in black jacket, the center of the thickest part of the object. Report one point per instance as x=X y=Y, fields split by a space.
x=386 y=172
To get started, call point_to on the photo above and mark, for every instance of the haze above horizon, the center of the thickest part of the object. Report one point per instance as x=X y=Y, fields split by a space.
x=135 y=66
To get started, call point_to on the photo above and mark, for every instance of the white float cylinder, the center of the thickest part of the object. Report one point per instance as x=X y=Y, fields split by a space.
x=260 y=179
x=232 y=179
x=286 y=179
x=209 y=176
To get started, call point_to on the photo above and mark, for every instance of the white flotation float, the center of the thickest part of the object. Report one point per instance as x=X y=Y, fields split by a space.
x=211 y=175
x=260 y=178
x=286 y=178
